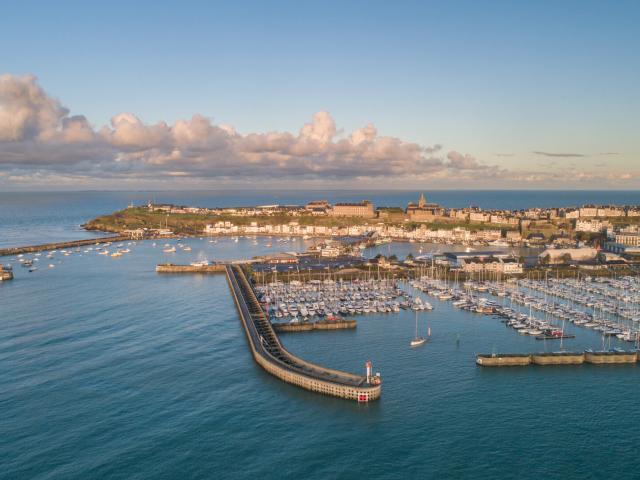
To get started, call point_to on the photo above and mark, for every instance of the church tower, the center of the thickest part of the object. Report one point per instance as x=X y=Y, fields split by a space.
x=422 y=202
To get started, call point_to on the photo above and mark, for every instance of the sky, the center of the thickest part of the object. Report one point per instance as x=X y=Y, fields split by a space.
x=348 y=94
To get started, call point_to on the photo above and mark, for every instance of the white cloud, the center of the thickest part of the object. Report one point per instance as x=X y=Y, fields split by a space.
x=38 y=137
x=26 y=111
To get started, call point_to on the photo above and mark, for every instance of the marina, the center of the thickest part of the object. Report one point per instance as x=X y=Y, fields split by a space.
x=542 y=308
x=298 y=301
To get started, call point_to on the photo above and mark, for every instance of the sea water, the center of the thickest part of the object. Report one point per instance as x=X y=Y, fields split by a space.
x=110 y=370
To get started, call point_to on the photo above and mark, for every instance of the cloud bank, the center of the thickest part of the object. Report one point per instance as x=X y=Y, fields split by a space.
x=40 y=140
x=560 y=155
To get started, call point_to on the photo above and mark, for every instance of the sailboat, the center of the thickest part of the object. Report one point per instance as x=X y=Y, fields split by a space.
x=417 y=341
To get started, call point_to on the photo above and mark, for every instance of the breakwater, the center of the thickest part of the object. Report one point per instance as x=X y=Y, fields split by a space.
x=269 y=353
x=319 y=325
x=61 y=245
x=558 y=358
x=172 y=268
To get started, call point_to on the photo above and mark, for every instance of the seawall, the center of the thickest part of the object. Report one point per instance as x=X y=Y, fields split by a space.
x=61 y=245
x=171 y=268
x=269 y=353
x=558 y=358
x=310 y=326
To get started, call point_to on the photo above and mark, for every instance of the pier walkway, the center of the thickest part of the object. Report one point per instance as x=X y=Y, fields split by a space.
x=269 y=353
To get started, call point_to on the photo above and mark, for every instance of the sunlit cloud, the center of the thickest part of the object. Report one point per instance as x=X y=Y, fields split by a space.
x=40 y=139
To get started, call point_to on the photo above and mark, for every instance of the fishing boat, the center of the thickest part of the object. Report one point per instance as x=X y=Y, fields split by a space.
x=6 y=272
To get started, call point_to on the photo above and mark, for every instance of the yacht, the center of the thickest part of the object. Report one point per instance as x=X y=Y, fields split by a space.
x=417 y=341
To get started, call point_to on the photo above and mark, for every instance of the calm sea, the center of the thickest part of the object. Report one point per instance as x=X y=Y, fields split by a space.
x=108 y=370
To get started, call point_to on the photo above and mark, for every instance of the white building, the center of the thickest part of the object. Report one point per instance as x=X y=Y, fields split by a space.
x=591 y=225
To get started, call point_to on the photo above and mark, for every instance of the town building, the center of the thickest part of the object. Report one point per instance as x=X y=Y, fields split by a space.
x=588 y=211
x=621 y=249
x=423 y=211
x=362 y=209
x=557 y=255
x=478 y=216
x=604 y=212
x=456 y=259
x=513 y=236
x=507 y=265
x=591 y=225
x=572 y=214
x=318 y=207
x=630 y=239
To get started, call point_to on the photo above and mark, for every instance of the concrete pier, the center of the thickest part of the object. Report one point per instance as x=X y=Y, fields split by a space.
x=269 y=353
x=172 y=268
x=558 y=358
x=62 y=245
x=319 y=325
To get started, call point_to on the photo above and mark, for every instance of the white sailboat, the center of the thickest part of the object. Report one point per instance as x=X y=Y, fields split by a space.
x=417 y=341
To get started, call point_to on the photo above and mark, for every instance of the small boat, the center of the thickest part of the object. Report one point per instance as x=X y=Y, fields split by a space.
x=417 y=341
x=186 y=249
x=116 y=254
x=169 y=250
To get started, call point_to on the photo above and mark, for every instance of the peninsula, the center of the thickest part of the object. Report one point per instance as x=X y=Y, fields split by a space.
x=612 y=228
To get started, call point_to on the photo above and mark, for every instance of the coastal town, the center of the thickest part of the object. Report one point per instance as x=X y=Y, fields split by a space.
x=592 y=235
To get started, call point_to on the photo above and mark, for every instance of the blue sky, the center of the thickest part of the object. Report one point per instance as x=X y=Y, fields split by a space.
x=494 y=80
